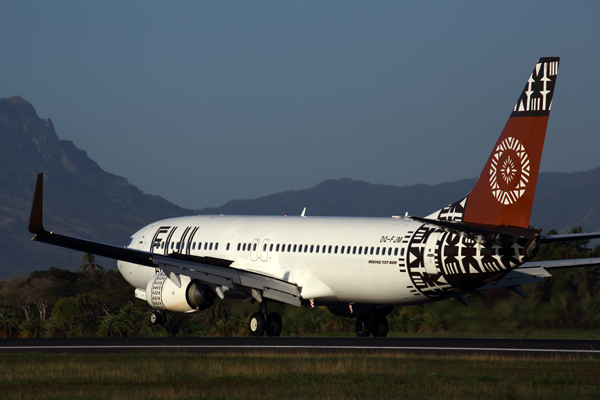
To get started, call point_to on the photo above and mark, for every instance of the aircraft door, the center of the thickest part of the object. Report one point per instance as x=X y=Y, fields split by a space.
x=430 y=257
x=264 y=250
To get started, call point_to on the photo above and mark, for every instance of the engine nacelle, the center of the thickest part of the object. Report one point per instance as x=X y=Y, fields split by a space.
x=163 y=294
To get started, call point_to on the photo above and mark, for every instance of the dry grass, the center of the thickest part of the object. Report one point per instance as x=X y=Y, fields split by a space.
x=296 y=376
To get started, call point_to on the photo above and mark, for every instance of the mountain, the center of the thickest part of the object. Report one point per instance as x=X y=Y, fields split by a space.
x=347 y=197
x=80 y=198
x=562 y=200
x=83 y=200
x=565 y=200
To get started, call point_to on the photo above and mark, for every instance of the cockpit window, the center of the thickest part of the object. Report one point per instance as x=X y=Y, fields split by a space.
x=129 y=242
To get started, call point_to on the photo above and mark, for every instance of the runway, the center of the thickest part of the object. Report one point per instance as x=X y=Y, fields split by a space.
x=341 y=345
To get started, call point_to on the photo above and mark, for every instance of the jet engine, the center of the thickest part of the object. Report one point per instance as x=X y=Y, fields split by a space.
x=163 y=293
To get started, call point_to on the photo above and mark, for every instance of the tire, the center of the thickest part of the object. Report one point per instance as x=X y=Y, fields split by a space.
x=257 y=324
x=380 y=327
x=156 y=318
x=363 y=326
x=274 y=324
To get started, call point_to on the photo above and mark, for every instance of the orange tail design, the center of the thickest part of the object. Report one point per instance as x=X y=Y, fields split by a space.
x=503 y=194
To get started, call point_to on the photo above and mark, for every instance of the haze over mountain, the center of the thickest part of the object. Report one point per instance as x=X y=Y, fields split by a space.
x=80 y=198
x=83 y=200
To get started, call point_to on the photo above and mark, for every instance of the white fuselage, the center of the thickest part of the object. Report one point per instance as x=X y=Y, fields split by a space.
x=332 y=260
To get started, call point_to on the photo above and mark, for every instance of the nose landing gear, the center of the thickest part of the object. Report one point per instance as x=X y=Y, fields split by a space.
x=158 y=318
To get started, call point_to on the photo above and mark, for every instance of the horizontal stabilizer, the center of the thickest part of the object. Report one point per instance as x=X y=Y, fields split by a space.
x=558 y=264
x=568 y=237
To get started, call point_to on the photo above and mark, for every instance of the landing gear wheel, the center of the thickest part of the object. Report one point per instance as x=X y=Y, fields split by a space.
x=380 y=327
x=157 y=318
x=257 y=324
x=363 y=326
x=274 y=324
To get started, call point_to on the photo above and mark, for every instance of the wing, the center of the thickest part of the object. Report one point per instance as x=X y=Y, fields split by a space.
x=536 y=272
x=207 y=269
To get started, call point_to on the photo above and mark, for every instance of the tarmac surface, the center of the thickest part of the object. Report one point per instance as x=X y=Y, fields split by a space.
x=336 y=345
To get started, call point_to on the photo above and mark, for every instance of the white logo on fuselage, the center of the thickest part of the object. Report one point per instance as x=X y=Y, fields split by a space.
x=509 y=171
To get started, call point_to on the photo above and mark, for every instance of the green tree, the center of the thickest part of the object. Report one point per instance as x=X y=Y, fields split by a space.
x=8 y=322
x=235 y=326
x=218 y=311
x=113 y=325
x=31 y=327
x=89 y=263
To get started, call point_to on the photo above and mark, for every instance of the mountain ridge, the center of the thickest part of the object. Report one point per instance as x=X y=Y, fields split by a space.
x=83 y=200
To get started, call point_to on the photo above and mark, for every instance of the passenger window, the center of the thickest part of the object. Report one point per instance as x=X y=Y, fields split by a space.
x=396 y=251
x=217 y=246
x=210 y=247
x=329 y=251
x=277 y=248
x=402 y=252
x=342 y=250
x=312 y=246
x=271 y=247
x=317 y=249
x=360 y=250
x=372 y=249
x=335 y=250
x=244 y=248
x=264 y=247
x=205 y=245
x=354 y=250
x=295 y=247
x=249 y=246
x=227 y=249
x=377 y=251
x=289 y=247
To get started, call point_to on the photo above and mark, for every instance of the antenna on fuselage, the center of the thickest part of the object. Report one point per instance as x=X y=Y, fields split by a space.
x=303 y=212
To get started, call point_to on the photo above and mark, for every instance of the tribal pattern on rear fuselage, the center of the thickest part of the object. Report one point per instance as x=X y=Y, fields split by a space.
x=443 y=264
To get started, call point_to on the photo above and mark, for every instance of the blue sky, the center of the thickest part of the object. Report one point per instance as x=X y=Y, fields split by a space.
x=204 y=102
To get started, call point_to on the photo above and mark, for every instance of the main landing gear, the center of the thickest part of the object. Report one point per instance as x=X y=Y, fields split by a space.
x=158 y=318
x=260 y=322
x=366 y=325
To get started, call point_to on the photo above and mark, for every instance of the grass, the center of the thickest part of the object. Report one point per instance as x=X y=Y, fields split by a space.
x=146 y=375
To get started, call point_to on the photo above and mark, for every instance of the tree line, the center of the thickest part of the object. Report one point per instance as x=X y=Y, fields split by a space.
x=93 y=302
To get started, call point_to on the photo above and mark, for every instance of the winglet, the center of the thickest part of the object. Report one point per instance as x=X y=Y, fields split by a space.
x=36 y=225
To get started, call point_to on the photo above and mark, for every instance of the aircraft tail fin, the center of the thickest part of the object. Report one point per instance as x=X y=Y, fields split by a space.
x=504 y=192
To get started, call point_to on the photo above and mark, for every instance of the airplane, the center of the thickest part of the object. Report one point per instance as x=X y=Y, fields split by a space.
x=357 y=267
